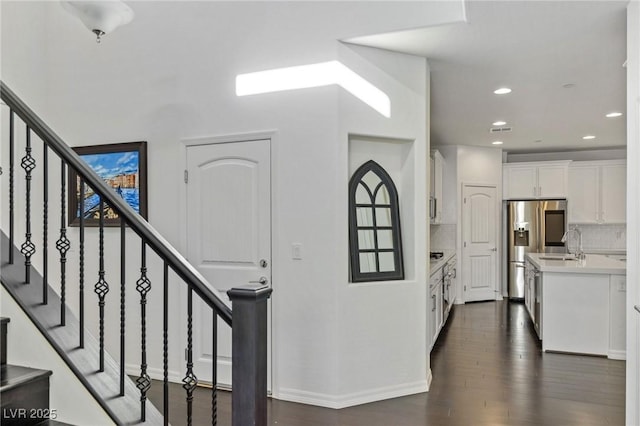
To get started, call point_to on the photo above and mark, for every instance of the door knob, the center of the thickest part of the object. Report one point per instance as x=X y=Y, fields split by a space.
x=494 y=249
x=263 y=263
x=262 y=280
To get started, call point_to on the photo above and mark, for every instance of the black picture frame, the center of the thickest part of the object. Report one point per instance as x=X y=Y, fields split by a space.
x=123 y=166
x=359 y=275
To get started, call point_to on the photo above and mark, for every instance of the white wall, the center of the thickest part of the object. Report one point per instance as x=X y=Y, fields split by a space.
x=72 y=402
x=633 y=213
x=371 y=314
x=23 y=58
x=169 y=76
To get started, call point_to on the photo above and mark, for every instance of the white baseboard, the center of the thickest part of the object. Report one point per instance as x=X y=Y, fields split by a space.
x=616 y=354
x=429 y=379
x=349 y=400
x=154 y=373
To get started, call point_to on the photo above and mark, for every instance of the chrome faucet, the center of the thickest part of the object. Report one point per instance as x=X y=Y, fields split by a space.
x=579 y=252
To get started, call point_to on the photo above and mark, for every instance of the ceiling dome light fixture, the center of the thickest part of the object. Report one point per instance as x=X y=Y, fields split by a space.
x=100 y=17
x=613 y=114
x=499 y=123
x=497 y=143
x=502 y=91
x=588 y=137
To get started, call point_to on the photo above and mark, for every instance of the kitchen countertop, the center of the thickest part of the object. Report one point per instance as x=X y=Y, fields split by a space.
x=436 y=264
x=592 y=264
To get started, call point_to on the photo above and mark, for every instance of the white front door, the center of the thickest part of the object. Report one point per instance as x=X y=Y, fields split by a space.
x=479 y=246
x=228 y=234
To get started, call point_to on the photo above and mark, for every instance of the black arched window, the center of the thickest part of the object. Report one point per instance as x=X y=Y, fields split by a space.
x=374 y=226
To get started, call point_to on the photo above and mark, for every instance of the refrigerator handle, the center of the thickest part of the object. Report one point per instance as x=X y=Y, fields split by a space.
x=539 y=242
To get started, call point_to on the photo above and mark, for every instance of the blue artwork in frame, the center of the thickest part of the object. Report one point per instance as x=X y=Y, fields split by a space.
x=123 y=167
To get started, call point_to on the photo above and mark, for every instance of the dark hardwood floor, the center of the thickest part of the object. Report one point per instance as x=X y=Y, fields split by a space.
x=487 y=370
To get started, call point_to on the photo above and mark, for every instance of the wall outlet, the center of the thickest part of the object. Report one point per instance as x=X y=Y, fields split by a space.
x=296 y=251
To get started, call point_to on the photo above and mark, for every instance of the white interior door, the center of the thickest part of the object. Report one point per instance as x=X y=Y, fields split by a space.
x=228 y=235
x=480 y=243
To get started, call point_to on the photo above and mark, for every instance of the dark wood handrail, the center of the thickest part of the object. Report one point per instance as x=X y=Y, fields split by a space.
x=151 y=237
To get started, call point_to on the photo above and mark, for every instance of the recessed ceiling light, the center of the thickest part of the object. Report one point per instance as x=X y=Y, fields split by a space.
x=499 y=123
x=588 y=137
x=537 y=141
x=502 y=91
x=613 y=114
x=497 y=143
x=569 y=86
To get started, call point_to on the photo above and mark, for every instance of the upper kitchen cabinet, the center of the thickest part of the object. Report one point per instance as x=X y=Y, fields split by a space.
x=547 y=179
x=597 y=191
x=435 y=196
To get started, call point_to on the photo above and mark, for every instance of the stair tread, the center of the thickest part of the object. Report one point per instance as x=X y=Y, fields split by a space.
x=13 y=376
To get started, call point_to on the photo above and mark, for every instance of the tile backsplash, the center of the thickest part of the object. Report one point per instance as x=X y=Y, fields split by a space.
x=603 y=237
x=443 y=237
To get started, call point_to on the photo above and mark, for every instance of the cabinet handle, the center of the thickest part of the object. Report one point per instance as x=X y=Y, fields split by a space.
x=535 y=192
x=432 y=208
x=433 y=297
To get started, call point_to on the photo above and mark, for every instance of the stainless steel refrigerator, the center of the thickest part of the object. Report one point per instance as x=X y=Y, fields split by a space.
x=535 y=226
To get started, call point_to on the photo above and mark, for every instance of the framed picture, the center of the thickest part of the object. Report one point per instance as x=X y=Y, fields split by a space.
x=123 y=167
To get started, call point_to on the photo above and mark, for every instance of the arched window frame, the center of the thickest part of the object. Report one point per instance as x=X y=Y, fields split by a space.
x=357 y=275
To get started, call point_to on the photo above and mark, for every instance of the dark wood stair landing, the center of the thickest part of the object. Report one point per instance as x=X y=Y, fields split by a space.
x=25 y=395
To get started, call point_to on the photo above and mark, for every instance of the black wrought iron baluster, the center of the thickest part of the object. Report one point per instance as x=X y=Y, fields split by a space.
x=123 y=260
x=214 y=370
x=11 y=184
x=101 y=288
x=81 y=261
x=28 y=248
x=63 y=244
x=165 y=342
x=45 y=225
x=190 y=380
x=143 y=286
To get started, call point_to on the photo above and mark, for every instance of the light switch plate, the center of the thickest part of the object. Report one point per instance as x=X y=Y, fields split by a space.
x=296 y=251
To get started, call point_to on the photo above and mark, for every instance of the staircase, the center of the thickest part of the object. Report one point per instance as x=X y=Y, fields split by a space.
x=24 y=391
x=37 y=251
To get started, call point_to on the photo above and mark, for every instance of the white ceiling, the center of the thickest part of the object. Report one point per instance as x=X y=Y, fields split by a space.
x=533 y=47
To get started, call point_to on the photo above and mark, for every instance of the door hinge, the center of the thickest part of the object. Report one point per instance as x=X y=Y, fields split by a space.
x=465 y=200
x=186 y=176
x=465 y=244
x=465 y=288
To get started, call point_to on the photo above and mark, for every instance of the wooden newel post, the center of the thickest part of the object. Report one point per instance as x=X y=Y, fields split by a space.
x=249 y=355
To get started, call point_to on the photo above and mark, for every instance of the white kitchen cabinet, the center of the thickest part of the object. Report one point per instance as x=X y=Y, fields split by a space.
x=546 y=179
x=435 y=207
x=435 y=305
x=617 y=317
x=597 y=192
x=575 y=313
x=614 y=193
x=529 y=289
